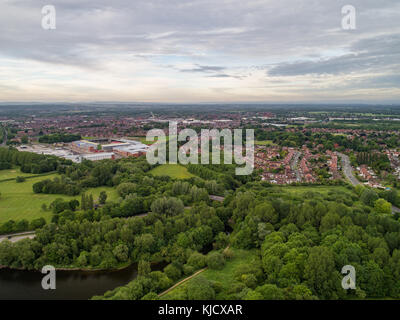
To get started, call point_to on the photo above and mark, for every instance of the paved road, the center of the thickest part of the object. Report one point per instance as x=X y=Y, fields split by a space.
x=294 y=164
x=348 y=172
x=14 y=237
x=216 y=198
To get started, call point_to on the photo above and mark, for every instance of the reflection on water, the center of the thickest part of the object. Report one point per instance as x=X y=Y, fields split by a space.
x=16 y=284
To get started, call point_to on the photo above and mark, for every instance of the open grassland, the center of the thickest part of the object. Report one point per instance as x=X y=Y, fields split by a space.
x=18 y=201
x=225 y=276
x=264 y=143
x=303 y=189
x=175 y=171
x=13 y=173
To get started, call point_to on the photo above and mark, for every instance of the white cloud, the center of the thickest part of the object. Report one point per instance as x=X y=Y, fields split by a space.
x=198 y=50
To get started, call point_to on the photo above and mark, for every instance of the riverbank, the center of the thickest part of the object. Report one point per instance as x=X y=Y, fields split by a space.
x=74 y=268
x=71 y=284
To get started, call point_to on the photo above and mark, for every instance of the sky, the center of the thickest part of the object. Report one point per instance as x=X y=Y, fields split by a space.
x=200 y=51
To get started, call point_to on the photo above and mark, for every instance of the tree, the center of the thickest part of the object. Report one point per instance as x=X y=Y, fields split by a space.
x=121 y=253
x=144 y=268
x=320 y=272
x=168 y=206
x=172 y=272
x=215 y=260
x=151 y=296
x=382 y=206
x=270 y=292
x=369 y=197
x=197 y=260
x=199 y=288
x=24 y=139
x=20 y=179
x=372 y=280
x=103 y=197
x=126 y=188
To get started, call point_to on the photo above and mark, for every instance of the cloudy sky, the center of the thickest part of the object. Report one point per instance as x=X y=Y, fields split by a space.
x=200 y=51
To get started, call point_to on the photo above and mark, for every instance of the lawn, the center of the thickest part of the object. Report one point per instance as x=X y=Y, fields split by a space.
x=175 y=171
x=17 y=200
x=321 y=189
x=13 y=173
x=264 y=143
x=225 y=276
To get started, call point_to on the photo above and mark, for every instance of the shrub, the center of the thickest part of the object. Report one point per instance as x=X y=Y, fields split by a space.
x=215 y=260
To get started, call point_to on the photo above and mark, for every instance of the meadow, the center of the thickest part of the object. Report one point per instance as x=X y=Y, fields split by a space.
x=13 y=173
x=18 y=201
x=175 y=171
x=225 y=276
x=264 y=143
x=298 y=190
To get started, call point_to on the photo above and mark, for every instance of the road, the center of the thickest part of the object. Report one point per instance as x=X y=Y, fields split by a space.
x=294 y=165
x=348 y=172
x=14 y=237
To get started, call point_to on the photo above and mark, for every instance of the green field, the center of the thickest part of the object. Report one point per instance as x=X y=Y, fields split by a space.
x=302 y=189
x=225 y=276
x=18 y=201
x=13 y=173
x=175 y=171
x=264 y=143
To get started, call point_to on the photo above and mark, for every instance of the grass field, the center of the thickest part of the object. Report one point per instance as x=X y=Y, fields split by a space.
x=302 y=189
x=264 y=143
x=17 y=200
x=175 y=171
x=13 y=173
x=225 y=276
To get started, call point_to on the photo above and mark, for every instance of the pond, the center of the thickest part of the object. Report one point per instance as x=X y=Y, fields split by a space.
x=76 y=285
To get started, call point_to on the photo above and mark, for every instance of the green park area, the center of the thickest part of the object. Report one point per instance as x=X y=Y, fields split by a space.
x=226 y=276
x=18 y=201
x=175 y=171
x=264 y=143
x=298 y=190
x=13 y=173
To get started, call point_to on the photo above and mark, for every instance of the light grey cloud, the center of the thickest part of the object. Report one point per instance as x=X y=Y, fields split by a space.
x=196 y=40
x=367 y=55
x=206 y=69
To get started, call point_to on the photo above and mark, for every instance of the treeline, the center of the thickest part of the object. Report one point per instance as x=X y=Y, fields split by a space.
x=305 y=240
x=378 y=161
x=59 y=137
x=223 y=173
x=327 y=141
x=107 y=243
x=32 y=162
x=12 y=226
x=58 y=185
